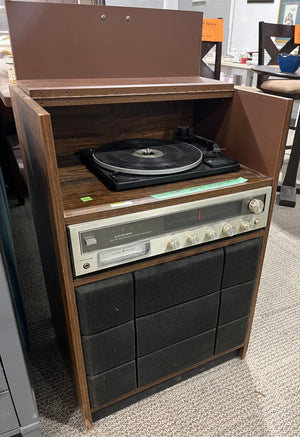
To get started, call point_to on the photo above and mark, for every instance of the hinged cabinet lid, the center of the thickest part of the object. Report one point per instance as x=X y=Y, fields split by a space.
x=70 y=41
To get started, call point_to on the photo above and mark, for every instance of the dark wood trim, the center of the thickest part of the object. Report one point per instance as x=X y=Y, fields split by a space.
x=136 y=99
x=36 y=139
x=62 y=88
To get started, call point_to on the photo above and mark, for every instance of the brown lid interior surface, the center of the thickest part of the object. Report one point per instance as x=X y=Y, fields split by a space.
x=68 y=41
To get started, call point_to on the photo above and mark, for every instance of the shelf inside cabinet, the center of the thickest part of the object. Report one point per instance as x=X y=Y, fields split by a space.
x=86 y=198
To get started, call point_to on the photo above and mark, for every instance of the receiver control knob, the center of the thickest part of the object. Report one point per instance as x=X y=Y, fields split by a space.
x=192 y=239
x=228 y=230
x=245 y=226
x=211 y=234
x=256 y=206
x=173 y=244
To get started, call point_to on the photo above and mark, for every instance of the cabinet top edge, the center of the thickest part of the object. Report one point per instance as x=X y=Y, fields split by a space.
x=103 y=86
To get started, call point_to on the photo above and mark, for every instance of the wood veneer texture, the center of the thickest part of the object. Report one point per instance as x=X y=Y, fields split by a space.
x=76 y=41
x=36 y=139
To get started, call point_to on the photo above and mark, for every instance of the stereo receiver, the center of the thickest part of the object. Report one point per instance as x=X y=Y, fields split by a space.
x=105 y=243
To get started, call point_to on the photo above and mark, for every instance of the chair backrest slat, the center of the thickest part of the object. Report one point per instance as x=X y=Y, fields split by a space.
x=214 y=71
x=283 y=33
x=205 y=70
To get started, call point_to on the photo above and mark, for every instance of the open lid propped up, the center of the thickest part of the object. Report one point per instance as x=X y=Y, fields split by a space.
x=69 y=41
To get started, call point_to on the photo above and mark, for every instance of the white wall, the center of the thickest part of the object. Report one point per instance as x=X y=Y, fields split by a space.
x=246 y=16
x=163 y=4
x=136 y=3
x=212 y=9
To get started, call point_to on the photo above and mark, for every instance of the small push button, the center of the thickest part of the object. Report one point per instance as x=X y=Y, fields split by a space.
x=90 y=241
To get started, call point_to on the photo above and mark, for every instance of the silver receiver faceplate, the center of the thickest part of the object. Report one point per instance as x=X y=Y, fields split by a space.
x=105 y=243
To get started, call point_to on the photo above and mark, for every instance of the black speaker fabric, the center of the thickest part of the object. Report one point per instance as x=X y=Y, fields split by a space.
x=241 y=262
x=140 y=327
x=176 y=357
x=111 y=384
x=231 y=334
x=104 y=304
x=109 y=349
x=235 y=302
x=172 y=283
x=177 y=323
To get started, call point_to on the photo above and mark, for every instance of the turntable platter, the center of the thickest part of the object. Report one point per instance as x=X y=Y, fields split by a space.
x=148 y=156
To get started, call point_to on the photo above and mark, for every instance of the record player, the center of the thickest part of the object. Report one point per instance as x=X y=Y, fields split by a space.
x=141 y=162
x=151 y=257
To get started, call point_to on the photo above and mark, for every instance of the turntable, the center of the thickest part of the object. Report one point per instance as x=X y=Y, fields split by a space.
x=141 y=162
x=155 y=254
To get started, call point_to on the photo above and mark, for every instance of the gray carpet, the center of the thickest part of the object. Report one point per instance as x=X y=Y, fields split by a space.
x=258 y=396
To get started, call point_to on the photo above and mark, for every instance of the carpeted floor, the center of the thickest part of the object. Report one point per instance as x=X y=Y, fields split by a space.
x=258 y=396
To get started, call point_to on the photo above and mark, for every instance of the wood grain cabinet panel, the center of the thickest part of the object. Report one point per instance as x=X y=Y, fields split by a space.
x=130 y=301
x=75 y=108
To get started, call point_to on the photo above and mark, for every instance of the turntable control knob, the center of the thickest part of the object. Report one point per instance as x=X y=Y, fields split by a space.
x=228 y=230
x=183 y=131
x=256 y=206
x=245 y=226
x=211 y=234
x=192 y=239
x=173 y=244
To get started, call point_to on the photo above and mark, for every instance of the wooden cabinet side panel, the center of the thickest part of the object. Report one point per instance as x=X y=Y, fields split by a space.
x=255 y=129
x=36 y=141
x=252 y=127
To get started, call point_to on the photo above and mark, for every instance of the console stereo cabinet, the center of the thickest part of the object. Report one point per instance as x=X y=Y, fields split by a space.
x=134 y=328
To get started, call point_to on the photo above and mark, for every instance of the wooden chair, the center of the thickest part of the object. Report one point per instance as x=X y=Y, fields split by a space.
x=205 y=69
x=281 y=87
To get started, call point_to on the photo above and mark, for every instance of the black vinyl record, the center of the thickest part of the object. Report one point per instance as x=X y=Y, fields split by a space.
x=148 y=156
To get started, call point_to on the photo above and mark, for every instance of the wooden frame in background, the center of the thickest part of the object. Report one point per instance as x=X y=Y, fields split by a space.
x=289 y=12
